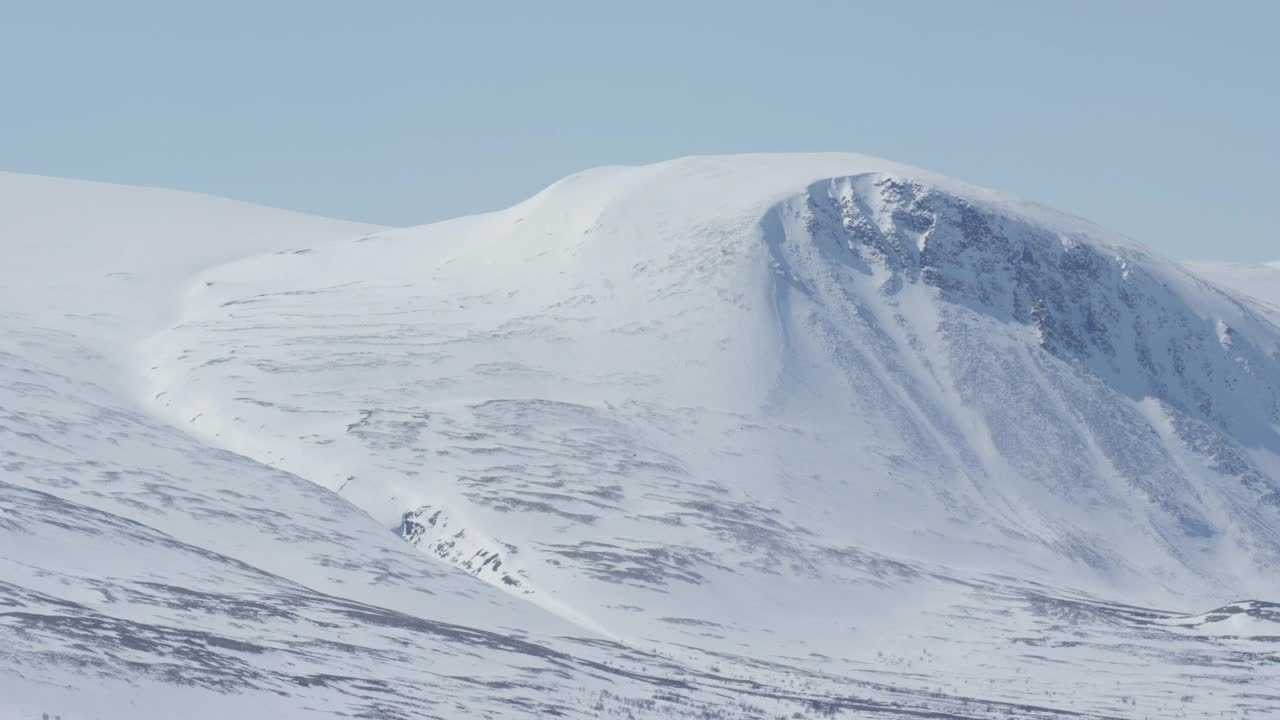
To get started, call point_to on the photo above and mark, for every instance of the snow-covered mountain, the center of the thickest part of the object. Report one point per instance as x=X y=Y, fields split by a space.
x=744 y=436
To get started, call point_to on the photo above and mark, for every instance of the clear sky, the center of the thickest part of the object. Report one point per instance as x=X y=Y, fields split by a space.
x=1158 y=118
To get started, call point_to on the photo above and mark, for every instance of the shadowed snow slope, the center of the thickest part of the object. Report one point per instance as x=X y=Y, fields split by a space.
x=753 y=435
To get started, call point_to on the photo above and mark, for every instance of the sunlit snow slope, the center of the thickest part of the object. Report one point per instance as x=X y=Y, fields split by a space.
x=754 y=435
x=1259 y=282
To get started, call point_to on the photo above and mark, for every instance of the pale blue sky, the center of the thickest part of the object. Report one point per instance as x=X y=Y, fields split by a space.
x=1157 y=119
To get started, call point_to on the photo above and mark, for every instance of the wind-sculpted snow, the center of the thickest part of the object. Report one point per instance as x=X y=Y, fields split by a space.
x=746 y=437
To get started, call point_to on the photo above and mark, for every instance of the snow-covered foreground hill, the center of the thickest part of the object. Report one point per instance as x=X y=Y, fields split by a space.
x=758 y=436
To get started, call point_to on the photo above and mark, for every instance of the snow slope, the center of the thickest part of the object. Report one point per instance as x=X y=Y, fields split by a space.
x=752 y=435
x=1260 y=282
